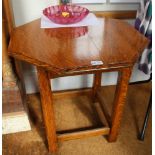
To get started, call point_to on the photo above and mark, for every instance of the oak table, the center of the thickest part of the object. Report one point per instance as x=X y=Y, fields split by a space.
x=113 y=45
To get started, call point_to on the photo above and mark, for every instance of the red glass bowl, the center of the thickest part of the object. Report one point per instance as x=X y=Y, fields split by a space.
x=73 y=13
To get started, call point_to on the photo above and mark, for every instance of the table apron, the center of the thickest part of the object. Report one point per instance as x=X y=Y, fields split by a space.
x=53 y=75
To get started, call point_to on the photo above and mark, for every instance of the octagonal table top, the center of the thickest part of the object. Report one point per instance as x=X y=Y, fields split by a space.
x=113 y=42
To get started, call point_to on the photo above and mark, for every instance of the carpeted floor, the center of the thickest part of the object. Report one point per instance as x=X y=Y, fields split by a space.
x=77 y=112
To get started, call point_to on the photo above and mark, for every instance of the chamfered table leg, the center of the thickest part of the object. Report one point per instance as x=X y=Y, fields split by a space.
x=119 y=101
x=96 y=84
x=47 y=108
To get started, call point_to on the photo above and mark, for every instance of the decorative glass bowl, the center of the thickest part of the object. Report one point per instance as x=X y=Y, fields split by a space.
x=65 y=14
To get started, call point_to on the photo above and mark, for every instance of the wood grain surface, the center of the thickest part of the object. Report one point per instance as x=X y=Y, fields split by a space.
x=84 y=134
x=119 y=102
x=96 y=84
x=8 y=15
x=113 y=41
x=47 y=107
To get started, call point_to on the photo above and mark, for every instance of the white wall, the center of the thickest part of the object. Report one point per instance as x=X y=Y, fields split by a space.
x=28 y=10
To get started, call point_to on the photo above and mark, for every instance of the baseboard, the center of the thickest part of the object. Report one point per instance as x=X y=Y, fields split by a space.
x=116 y=14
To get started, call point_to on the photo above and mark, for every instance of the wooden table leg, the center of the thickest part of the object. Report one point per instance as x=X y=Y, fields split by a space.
x=47 y=108
x=119 y=101
x=96 y=84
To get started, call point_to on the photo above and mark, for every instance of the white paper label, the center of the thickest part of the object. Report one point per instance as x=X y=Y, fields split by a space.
x=96 y=63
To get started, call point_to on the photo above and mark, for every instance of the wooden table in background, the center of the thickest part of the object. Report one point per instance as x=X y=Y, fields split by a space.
x=69 y=51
